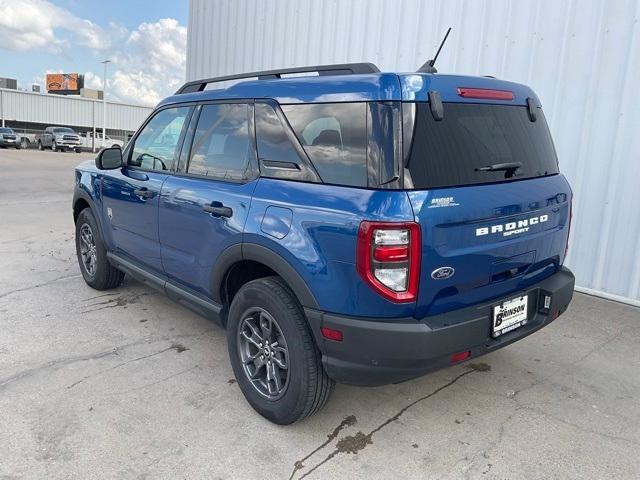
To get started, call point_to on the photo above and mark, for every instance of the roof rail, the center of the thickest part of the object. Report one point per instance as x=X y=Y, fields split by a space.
x=338 y=69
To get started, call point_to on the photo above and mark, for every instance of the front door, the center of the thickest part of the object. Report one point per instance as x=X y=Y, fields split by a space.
x=203 y=208
x=130 y=194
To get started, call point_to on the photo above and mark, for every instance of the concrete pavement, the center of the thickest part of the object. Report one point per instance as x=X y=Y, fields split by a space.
x=127 y=384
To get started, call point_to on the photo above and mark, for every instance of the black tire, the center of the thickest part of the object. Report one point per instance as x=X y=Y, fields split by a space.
x=104 y=276
x=78 y=150
x=307 y=386
x=54 y=146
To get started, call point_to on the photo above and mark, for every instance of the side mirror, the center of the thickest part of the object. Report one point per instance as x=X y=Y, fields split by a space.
x=109 y=158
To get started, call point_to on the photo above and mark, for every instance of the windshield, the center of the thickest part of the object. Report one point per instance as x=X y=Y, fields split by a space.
x=477 y=143
x=6 y=130
x=63 y=130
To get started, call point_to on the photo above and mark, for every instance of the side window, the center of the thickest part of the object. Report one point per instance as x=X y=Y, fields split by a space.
x=221 y=146
x=156 y=145
x=273 y=143
x=334 y=135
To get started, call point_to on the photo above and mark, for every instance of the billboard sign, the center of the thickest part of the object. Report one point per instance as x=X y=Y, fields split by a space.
x=64 y=83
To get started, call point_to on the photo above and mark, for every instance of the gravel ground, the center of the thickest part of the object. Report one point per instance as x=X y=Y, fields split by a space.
x=126 y=384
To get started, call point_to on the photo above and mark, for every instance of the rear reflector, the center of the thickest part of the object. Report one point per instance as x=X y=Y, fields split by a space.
x=458 y=357
x=391 y=254
x=485 y=93
x=331 y=334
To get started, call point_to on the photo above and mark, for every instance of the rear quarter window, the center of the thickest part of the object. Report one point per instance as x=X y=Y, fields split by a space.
x=334 y=136
x=453 y=151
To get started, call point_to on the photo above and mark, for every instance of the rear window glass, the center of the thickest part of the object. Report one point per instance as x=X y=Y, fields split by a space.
x=471 y=139
x=272 y=140
x=334 y=136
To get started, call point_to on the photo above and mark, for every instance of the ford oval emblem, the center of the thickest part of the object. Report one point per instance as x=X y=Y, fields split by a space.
x=443 y=273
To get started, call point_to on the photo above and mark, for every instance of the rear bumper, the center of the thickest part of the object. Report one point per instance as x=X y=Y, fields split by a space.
x=378 y=351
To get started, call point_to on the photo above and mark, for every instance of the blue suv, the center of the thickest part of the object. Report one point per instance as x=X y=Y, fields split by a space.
x=342 y=224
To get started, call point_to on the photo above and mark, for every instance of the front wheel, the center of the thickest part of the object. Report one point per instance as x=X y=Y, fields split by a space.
x=96 y=270
x=78 y=150
x=274 y=357
x=54 y=147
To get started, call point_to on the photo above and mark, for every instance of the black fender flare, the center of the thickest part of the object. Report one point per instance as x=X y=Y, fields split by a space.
x=81 y=194
x=258 y=253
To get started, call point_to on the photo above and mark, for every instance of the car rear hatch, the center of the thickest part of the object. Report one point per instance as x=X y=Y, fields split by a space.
x=483 y=180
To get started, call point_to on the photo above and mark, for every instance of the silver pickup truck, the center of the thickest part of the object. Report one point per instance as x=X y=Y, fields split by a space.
x=59 y=139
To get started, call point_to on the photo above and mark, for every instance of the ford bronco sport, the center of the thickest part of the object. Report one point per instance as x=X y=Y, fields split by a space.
x=353 y=226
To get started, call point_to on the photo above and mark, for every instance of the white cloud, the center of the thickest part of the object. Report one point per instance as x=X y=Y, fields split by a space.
x=148 y=63
x=40 y=25
x=148 y=66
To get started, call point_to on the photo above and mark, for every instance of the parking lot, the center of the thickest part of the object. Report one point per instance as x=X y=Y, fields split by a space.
x=127 y=384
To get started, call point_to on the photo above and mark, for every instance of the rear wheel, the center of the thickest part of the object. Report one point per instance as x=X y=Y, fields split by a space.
x=273 y=354
x=96 y=270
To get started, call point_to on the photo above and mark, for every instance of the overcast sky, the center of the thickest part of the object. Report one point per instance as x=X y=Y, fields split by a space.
x=145 y=40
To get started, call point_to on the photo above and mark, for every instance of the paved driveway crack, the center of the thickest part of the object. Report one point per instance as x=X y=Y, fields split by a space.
x=39 y=285
x=359 y=441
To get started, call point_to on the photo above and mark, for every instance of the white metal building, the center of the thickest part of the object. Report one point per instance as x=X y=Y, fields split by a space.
x=45 y=109
x=581 y=57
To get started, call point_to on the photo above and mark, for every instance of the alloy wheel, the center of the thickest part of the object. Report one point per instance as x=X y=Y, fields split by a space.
x=263 y=353
x=88 y=251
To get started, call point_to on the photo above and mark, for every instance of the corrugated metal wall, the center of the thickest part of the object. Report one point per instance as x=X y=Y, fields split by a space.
x=67 y=110
x=581 y=57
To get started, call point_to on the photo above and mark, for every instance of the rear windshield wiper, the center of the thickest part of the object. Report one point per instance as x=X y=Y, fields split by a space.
x=498 y=167
x=509 y=168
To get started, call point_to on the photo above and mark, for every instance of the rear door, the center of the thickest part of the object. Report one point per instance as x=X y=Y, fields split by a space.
x=203 y=208
x=131 y=194
x=492 y=206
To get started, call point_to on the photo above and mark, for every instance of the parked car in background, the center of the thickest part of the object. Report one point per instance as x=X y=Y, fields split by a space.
x=87 y=141
x=59 y=139
x=8 y=138
x=356 y=226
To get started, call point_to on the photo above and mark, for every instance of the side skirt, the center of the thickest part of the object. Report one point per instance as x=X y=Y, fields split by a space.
x=193 y=301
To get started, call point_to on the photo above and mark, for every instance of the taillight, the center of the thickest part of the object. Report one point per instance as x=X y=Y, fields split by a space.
x=566 y=247
x=389 y=258
x=486 y=93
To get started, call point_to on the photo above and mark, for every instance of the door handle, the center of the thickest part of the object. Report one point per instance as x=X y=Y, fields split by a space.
x=143 y=192
x=218 y=210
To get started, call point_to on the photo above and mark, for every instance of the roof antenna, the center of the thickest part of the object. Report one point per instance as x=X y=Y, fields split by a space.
x=429 y=66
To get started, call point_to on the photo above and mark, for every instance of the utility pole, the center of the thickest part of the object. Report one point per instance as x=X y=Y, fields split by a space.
x=104 y=103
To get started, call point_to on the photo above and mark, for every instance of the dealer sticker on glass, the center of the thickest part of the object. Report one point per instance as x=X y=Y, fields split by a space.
x=509 y=315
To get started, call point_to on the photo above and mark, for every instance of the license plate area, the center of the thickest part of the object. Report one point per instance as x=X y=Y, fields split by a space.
x=509 y=315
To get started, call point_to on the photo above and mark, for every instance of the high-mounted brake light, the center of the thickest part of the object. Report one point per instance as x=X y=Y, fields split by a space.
x=389 y=258
x=485 y=93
